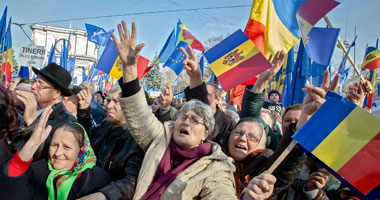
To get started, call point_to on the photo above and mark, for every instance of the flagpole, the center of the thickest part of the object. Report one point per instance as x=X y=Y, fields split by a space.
x=341 y=44
x=281 y=157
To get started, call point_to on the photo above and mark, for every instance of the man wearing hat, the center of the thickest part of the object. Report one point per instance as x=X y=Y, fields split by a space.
x=50 y=86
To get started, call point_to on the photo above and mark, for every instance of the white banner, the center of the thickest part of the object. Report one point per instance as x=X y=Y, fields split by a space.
x=31 y=56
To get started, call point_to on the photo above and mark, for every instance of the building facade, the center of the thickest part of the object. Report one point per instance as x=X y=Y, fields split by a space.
x=86 y=52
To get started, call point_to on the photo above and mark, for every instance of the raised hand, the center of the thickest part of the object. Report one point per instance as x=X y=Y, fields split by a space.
x=84 y=98
x=29 y=100
x=316 y=97
x=129 y=52
x=260 y=187
x=317 y=180
x=166 y=98
x=40 y=133
x=277 y=60
x=192 y=67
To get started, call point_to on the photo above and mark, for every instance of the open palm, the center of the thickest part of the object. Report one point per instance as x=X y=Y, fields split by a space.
x=128 y=51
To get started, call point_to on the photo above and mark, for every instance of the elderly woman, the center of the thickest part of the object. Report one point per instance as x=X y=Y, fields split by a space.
x=70 y=172
x=180 y=163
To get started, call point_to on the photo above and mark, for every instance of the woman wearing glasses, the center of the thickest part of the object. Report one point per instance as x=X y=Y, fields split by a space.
x=179 y=162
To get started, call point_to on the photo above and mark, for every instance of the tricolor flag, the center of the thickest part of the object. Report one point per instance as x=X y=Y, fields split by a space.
x=183 y=34
x=345 y=138
x=372 y=59
x=110 y=63
x=8 y=60
x=3 y=26
x=235 y=60
x=275 y=25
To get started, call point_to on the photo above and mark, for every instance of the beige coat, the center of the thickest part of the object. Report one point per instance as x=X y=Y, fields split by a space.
x=211 y=177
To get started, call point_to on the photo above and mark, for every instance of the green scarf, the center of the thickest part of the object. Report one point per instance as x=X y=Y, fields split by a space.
x=86 y=160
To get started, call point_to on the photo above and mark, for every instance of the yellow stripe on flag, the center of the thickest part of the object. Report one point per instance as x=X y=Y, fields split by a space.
x=117 y=69
x=246 y=50
x=277 y=36
x=341 y=145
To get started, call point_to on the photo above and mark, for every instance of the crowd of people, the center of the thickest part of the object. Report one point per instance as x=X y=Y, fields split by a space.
x=61 y=141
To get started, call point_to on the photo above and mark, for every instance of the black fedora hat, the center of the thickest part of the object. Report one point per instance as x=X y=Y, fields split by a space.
x=57 y=76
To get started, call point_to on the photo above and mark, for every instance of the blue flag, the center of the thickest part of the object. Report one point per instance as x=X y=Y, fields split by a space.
x=201 y=63
x=97 y=35
x=298 y=81
x=84 y=77
x=168 y=48
x=320 y=44
x=74 y=81
x=52 y=57
x=91 y=71
x=3 y=26
x=71 y=64
x=176 y=58
x=23 y=72
x=213 y=78
x=65 y=53
x=343 y=63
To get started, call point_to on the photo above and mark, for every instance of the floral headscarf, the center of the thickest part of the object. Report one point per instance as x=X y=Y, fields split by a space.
x=86 y=160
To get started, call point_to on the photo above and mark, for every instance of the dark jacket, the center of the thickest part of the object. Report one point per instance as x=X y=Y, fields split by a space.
x=289 y=168
x=58 y=117
x=223 y=122
x=285 y=173
x=5 y=152
x=117 y=153
x=166 y=115
x=97 y=111
x=251 y=107
x=32 y=184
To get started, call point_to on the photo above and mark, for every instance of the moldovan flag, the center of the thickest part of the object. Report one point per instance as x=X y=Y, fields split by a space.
x=235 y=60
x=345 y=138
x=110 y=63
x=372 y=59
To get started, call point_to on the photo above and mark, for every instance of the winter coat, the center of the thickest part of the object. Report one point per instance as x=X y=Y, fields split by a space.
x=32 y=184
x=211 y=177
x=117 y=153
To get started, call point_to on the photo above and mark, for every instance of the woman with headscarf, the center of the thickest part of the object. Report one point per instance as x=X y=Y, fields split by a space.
x=179 y=162
x=70 y=172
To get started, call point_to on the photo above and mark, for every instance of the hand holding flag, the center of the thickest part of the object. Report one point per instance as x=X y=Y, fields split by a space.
x=128 y=51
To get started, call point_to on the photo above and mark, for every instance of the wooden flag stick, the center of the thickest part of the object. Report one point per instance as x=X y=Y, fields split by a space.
x=281 y=157
x=341 y=44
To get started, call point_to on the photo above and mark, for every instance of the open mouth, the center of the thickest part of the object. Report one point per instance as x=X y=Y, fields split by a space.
x=240 y=147
x=183 y=131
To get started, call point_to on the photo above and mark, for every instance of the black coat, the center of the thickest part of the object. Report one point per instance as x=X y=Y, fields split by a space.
x=223 y=122
x=32 y=184
x=117 y=153
x=58 y=117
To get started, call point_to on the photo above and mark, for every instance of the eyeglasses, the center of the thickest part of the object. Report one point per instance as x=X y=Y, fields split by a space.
x=40 y=86
x=192 y=120
x=249 y=136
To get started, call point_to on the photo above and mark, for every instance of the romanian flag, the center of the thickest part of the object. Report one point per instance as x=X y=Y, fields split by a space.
x=275 y=25
x=345 y=138
x=372 y=59
x=110 y=63
x=236 y=60
x=272 y=25
x=183 y=34
x=8 y=61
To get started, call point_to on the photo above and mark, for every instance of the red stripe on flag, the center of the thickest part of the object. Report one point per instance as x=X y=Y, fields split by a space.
x=196 y=44
x=141 y=66
x=373 y=64
x=366 y=175
x=256 y=32
x=243 y=72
